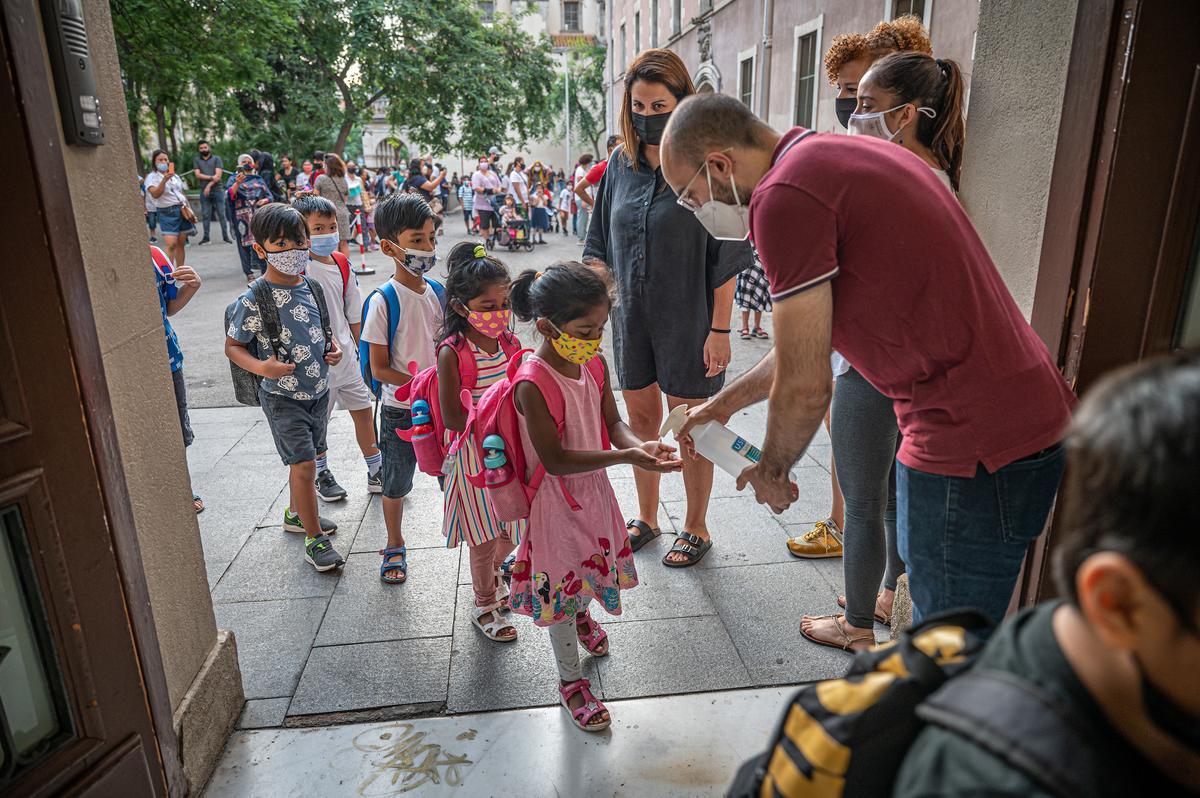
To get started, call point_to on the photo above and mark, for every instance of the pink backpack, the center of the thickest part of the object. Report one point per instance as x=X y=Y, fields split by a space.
x=496 y=414
x=431 y=450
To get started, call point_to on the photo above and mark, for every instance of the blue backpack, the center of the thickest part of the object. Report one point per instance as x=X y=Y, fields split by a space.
x=388 y=292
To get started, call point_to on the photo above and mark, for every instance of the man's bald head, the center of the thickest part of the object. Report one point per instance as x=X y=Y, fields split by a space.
x=705 y=123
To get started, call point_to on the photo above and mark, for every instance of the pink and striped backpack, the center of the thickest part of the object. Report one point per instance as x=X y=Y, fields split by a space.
x=431 y=450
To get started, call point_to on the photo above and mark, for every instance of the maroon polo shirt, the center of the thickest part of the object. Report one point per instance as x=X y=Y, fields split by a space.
x=918 y=306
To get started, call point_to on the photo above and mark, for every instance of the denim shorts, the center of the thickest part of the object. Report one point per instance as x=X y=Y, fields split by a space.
x=298 y=426
x=399 y=459
x=171 y=221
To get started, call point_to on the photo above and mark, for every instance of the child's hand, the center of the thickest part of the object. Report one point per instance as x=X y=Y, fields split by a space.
x=653 y=456
x=186 y=276
x=335 y=355
x=272 y=369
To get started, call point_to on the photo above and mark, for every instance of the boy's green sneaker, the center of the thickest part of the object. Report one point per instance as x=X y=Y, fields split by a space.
x=320 y=554
x=291 y=523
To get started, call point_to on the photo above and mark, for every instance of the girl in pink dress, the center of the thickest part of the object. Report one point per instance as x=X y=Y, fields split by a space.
x=576 y=549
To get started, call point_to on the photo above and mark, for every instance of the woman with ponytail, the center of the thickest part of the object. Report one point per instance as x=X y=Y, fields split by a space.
x=916 y=101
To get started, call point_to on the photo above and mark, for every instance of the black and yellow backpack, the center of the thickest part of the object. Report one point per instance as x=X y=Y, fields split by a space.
x=848 y=737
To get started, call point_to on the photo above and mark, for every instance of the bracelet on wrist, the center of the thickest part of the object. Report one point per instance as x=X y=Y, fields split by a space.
x=719 y=330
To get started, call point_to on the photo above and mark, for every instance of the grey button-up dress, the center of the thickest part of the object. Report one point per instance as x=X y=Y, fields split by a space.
x=666 y=267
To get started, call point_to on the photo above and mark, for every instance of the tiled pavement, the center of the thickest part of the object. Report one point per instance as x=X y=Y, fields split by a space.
x=314 y=645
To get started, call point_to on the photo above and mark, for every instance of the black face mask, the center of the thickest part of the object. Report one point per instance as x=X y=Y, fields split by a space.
x=650 y=128
x=844 y=107
x=1168 y=716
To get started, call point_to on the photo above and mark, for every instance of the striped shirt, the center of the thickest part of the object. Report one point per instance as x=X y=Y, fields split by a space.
x=467 y=515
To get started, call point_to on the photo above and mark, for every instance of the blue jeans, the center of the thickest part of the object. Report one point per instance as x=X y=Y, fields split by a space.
x=963 y=539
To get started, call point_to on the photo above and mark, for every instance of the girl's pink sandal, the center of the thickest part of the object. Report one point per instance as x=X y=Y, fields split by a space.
x=593 y=638
x=591 y=708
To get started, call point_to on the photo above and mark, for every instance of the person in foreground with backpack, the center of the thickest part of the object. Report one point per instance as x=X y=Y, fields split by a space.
x=576 y=548
x=400 y=319
x=1120 y=657
x=283 y=317
x=474 y=347
x=1095 y=695
x=331 y=269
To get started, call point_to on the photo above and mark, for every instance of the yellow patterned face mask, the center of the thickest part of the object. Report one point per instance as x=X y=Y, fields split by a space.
x=572 y=349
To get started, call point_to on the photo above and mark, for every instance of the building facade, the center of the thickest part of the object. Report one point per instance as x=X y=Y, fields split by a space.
x=566 y=23
x=1082 y=176
x=769 y=53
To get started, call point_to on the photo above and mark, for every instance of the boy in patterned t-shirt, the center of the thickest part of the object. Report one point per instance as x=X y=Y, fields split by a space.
x=294 y=393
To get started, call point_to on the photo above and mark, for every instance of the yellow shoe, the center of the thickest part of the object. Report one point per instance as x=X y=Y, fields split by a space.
x=823 y=540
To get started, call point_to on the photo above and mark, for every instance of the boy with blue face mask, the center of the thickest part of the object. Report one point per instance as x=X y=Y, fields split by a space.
x=406 y=227
x=331 y=269
x=294 y=367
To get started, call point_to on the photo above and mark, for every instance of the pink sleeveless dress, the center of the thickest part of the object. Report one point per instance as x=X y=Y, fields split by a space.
x=568 y=555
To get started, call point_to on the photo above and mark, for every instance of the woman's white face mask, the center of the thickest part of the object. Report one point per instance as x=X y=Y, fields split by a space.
x=874 y=124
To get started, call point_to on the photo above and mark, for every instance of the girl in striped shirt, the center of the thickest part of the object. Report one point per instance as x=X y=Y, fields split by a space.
x=477 y=314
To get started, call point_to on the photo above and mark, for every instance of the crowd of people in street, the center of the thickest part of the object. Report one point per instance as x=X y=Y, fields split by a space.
x=517 y=206
x=891 y=326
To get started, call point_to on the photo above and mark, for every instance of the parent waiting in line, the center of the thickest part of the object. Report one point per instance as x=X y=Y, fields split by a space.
x=246 y=191
x=332 y=186
x=675 y=287
x=920 y=311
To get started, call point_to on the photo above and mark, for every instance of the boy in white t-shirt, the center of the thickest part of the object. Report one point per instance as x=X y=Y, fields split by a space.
x=331 y=269
x=406 y=227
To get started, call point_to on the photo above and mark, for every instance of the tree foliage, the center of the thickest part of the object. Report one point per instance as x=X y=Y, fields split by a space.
x=434 y=64
x=181 y=56
x=586 y=66
x=300 y=75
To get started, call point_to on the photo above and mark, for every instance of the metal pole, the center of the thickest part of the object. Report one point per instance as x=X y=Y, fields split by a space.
x=567 y=61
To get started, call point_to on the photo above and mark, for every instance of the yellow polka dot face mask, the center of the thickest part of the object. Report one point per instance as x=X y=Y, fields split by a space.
x=572 y=349
x=491 y=323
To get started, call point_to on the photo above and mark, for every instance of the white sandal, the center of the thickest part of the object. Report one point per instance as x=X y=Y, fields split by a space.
x=491 y=630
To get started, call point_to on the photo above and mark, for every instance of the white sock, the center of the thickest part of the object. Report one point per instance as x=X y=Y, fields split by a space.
x=322 y=462
x=565 y=642
x=374 y=463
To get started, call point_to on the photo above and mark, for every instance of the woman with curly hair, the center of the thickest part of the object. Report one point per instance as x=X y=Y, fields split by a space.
x=851 y=55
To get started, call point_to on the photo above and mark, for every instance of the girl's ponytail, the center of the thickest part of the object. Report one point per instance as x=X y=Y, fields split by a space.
x=519 y=295
x=950 y=130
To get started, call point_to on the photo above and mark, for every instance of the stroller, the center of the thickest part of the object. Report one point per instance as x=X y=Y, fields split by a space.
x=516 y=235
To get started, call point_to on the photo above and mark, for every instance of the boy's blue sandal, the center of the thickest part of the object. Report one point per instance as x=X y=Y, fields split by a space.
x=386 y=567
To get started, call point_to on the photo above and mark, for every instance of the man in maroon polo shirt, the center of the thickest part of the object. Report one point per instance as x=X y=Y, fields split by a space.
x=867 y=252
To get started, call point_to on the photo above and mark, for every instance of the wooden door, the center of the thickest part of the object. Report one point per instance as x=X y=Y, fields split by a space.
x=1118 y=279
x=75 y=713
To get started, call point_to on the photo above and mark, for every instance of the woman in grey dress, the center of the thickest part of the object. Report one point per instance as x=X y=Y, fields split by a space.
x=332 y=186
x=671 y=321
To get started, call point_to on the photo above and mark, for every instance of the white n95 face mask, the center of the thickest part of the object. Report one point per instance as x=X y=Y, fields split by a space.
x=724 y=222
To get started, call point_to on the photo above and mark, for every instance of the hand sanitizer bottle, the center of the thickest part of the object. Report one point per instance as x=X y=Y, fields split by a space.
x=726 y=449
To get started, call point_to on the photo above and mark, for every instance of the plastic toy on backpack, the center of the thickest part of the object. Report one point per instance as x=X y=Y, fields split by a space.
x=424 y=439
x=505 y=493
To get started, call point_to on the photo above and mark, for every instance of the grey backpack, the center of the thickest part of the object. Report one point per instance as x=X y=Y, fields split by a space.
x=246 y=384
